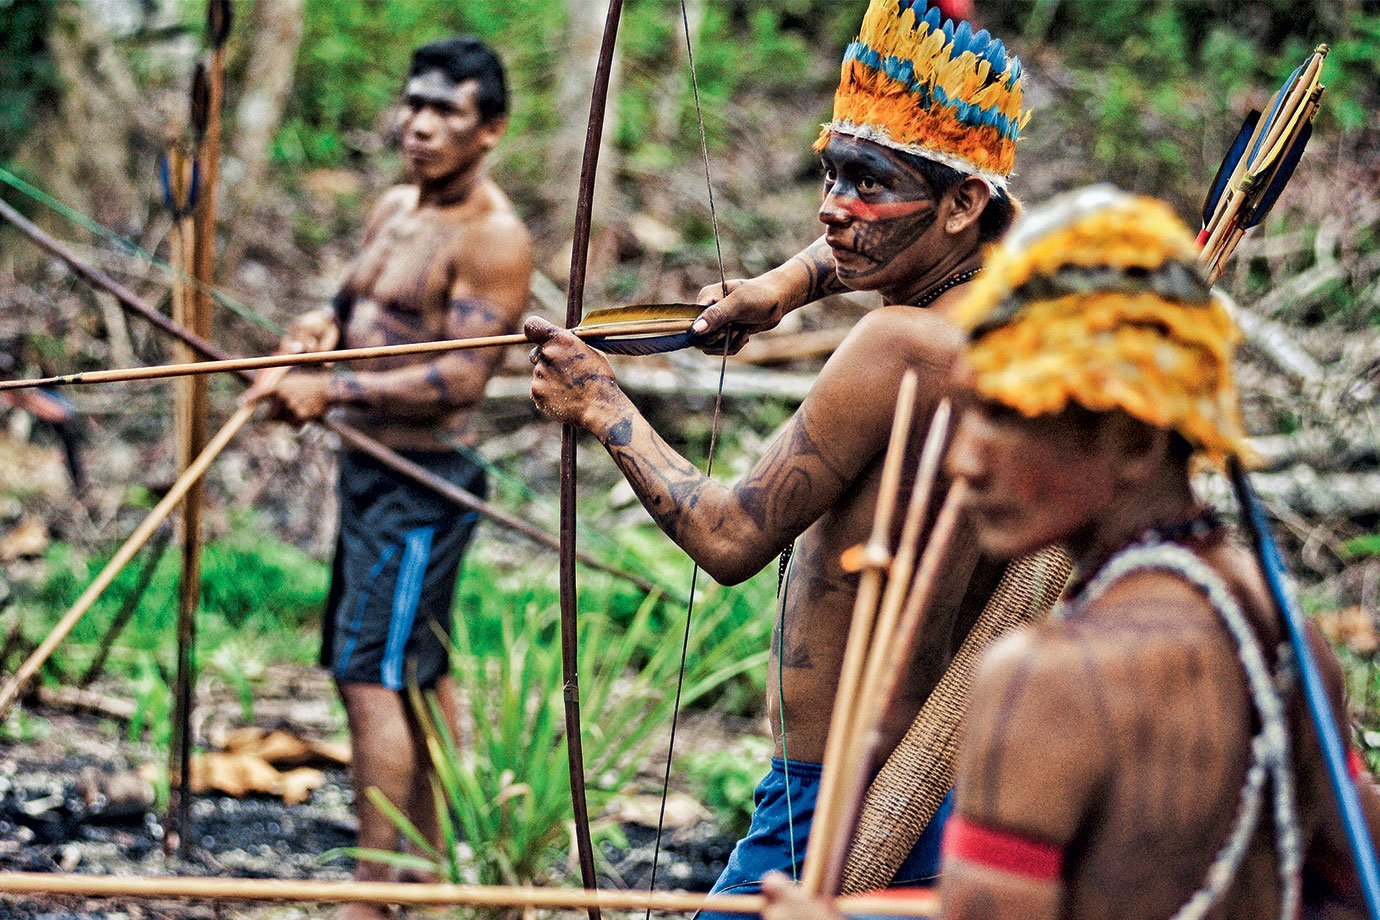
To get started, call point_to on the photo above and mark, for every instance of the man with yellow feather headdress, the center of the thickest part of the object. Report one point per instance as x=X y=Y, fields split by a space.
x=915 y=166
x=1147 y=753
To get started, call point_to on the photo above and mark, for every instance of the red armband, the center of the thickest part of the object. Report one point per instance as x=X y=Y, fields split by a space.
x=1355 y=764
x=1002 y=850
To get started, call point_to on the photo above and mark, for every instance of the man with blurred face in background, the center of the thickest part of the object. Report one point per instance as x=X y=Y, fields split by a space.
x=444 y=257
x=914 y=185
x=1147 y=753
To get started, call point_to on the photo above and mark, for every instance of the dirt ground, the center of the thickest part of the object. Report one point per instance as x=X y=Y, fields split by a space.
x=51 y=822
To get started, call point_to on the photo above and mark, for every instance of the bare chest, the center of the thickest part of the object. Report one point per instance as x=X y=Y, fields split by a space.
x=401 y=284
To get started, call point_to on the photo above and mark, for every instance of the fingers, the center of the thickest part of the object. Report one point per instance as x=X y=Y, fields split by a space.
x=539 y=330
x=710 y=320
x=714 y=346
x=775 y=884
x=713 y=293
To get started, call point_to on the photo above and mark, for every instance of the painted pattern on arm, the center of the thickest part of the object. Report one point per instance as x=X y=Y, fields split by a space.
x=818 y=262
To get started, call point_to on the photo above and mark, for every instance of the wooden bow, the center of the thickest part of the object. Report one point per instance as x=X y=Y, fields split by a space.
x=574 y=311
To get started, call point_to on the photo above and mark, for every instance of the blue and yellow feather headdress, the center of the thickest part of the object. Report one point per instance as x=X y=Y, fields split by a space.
x=914 y=81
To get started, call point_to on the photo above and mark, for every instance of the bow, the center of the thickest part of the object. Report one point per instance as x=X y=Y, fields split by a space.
x=574 y=310
x=193 y=308
x=579 y=259
x=1258 y=165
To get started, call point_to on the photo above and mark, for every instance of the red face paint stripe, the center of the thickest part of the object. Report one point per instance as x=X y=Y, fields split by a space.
x=1002 y=850
x=856 y=207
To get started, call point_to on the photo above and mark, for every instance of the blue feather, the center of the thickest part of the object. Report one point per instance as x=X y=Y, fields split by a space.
x=963 y=38
x=1281 y=179
x=1219 y=182
x=644 y=345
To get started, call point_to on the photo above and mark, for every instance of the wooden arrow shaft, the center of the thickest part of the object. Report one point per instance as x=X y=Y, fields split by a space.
x=198 y=467
x=163 y=371
x=826 y=831
x=347 y=433
x=917 y=903
x=884 y=660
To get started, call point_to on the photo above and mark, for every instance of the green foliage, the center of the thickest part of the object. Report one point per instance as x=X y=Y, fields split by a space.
x=503 y=800
x=27 y=80
x=252 y=585
x=355 y=53
x=725 y=780
x=152 y=703
x=1366 y=546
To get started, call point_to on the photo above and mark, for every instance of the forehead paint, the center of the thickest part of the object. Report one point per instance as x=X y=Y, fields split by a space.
x=435 y=86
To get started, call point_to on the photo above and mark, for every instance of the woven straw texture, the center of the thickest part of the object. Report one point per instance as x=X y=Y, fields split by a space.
x=918 y=775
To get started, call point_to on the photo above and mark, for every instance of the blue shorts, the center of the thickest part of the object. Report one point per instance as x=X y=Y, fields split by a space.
x=388 y=615
x=767 y=845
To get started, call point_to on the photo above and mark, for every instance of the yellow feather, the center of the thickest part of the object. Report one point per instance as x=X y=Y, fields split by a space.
x=640 y=312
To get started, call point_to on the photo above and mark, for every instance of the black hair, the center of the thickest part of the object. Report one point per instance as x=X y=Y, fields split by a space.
x=461 y=58
x=996 y=217
x=1087 y=423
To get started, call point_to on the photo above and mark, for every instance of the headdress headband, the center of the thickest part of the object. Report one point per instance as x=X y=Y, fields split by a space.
x=914 y=81
x=1097 y=298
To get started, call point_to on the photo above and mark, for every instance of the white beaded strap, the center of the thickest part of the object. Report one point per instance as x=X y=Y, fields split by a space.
x=1270 y=750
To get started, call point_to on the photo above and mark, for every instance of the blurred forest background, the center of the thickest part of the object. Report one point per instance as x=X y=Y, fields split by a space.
x=1143 y=93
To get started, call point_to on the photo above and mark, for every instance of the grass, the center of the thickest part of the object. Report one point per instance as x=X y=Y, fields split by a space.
x=502 y=796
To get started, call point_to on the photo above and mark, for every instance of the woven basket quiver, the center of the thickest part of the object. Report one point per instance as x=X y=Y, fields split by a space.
x=910 y=787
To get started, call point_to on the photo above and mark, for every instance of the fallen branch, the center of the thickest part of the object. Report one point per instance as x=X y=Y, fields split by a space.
x=1277 y=343
x=79 y=699
x=1303 y=490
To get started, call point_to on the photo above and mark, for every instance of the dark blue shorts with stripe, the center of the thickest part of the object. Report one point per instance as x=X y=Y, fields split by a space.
x=388 y=614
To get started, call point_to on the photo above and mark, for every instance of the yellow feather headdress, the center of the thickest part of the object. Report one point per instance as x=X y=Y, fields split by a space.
x=1097 y=298
x=914 y=81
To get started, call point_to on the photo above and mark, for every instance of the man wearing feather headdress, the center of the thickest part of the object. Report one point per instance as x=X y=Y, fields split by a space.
x=1147 y=753
x=915 y=166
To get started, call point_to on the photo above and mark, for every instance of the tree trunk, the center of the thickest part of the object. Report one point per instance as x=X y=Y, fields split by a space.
x=275 y=34
x=585 y=32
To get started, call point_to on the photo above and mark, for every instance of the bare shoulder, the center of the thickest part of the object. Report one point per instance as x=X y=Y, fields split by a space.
x=496 y=234
x=915 y=334
x=1036 y=710
x=889 y=340
x=395 y=199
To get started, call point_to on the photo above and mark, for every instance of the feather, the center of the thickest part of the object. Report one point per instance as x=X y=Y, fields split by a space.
x=644 y=345
x=655 y=344
x=640 y=313
x=1281 y=178
x=1224 y=172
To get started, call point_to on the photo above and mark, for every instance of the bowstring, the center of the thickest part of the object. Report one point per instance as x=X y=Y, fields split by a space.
x=713 y=443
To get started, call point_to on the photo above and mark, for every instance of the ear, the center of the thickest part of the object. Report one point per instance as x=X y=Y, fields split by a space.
x=492 y=131
x=967 y=200
x=1141 y=449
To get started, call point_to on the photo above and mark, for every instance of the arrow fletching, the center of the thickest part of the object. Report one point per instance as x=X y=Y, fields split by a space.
x=1262 y=158
x=1286 y=171
x=677 y=336
x=1229 y=164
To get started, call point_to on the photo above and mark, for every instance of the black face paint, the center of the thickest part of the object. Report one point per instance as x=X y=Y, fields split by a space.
x=876 y=205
